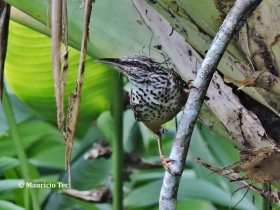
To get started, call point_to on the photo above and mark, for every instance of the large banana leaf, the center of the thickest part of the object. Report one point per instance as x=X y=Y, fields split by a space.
x=29 y=72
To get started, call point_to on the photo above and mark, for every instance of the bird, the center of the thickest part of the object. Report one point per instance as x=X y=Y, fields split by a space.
x=158 y=94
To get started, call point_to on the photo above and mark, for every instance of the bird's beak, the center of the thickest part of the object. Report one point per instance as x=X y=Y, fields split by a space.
x=112 y=61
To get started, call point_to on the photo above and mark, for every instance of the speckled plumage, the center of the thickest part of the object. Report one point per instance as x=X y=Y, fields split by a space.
x=158 y=98
x=157 y=95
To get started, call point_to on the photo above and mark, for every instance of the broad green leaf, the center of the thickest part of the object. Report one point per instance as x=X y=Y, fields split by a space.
x=140 y=178
x=128 y=123
x=85 y=174
x=84 y=204
x=191 y=188
x=7 y=163
x=16 y=173
x=135 y=142
x=114 y=27
x=202 y=189
x=40 y=139
x=94 y=134
x=47 y=169
x=207 y=146
x=199 y=149
x=29 y=73
x=10 y=184
x=194 y=204
x=106 y=123
x=9 y=206
x=132 y=135
x=140 y=198
x=21 y=112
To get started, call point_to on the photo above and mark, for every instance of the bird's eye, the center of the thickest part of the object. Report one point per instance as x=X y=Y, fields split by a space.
x=135 y=63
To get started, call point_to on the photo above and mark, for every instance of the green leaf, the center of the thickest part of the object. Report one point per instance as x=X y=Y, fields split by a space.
x=21 y=112
x=194 y=204
x=84 y=204
x=194 y=189
x=121 y=38
x=28 y=63
x=9 y=206
x=94 y=134
x=40 y=140
x=199 y=148
x=201 y=189
x=28 y=71
x=106 y=123
x=128 y=124
x=207 y=146
x=140 y=198
x=7 y=163
x=132 y=135
x=9 y=184
x=191 y=188
x=86 y=174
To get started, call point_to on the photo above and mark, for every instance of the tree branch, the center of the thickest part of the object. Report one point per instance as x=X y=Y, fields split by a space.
x=241 y=9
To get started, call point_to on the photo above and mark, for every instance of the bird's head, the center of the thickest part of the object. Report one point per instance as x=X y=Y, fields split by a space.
x=135 y=67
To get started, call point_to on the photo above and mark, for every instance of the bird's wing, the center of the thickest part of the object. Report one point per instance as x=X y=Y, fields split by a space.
x=136 y=111
x=181 y=83
x=134 y=104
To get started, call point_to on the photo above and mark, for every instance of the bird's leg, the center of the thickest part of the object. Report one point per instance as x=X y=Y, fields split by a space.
x=190 y=84
x=165 y=160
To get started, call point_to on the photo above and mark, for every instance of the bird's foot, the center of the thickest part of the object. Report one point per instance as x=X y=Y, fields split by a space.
x=190 y=83
x=165 y=162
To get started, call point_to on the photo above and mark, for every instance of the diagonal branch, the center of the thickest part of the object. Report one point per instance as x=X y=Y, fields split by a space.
x=242 y=9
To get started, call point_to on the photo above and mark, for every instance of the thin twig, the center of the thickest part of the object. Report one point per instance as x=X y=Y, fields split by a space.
x=271 y=195
x=75 y=97
x=248 y=187
x=181 y=143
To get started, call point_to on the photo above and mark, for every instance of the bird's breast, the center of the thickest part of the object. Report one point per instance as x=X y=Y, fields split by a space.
x=156 y=105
